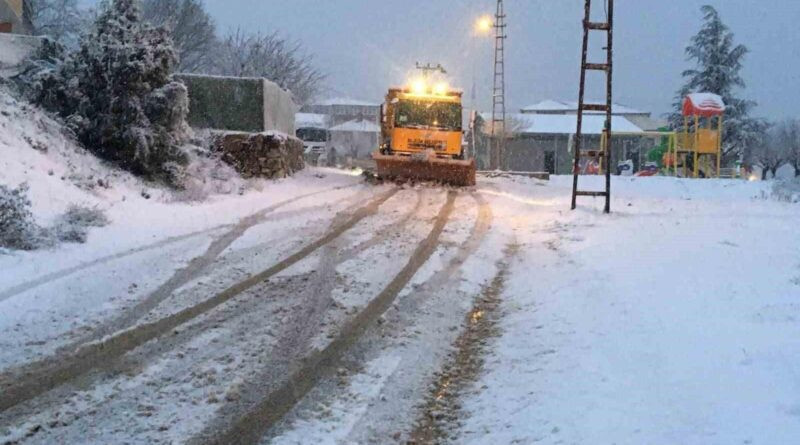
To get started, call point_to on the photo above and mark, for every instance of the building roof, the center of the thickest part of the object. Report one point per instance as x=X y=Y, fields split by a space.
x=565 y=124
x=362 y=126
x=346 y=102
x=647 y=123
x=547 y=105
x=310 y=120
x=555 y=106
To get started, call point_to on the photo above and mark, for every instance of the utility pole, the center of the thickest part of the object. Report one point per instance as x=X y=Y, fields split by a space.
x=498 y=137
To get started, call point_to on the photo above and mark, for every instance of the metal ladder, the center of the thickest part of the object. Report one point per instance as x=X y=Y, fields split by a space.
x=604 y=154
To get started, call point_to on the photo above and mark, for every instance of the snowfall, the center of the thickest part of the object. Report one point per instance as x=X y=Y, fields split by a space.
x=675 y=319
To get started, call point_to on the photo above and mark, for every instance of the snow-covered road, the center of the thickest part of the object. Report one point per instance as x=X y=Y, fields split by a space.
x=326 y=310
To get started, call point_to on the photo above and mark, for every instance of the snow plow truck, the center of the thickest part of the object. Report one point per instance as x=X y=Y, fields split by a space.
x=421 y=135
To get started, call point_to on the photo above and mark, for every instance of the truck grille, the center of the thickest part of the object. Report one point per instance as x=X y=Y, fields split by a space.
x=424 y=144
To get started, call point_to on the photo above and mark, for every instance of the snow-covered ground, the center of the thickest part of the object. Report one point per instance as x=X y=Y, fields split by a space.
x=676 y=319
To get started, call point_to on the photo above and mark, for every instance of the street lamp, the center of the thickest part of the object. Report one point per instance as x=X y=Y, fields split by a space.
x=484 y=24
x=483 y=27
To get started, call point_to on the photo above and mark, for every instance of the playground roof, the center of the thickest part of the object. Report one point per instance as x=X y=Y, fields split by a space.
x=703 y=104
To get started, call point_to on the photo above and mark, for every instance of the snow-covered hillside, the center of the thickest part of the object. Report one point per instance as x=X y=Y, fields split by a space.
x=36 y=150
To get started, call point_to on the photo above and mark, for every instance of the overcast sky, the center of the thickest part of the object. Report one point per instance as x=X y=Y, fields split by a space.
x=366 y=45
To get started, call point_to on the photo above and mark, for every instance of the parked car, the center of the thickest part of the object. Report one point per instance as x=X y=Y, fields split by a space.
x=649 y=169
x=625 y=168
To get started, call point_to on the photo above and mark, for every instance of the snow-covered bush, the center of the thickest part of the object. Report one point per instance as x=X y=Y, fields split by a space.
x=73 y=226
x=47 y=59
x=18 y=230
x=207 y=174
x=116 y=94
x=787 y=190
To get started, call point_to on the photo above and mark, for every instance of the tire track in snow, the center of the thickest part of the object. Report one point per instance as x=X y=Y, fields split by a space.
x=318 y=288
x=31 y=380
x=410 y=310
x=439 y=416
x=259 y=418
x=44 y=279
x=238 y=316
x=192 y=270
x=48 y=278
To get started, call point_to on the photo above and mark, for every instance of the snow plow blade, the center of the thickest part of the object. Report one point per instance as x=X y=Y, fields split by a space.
x=448 y=171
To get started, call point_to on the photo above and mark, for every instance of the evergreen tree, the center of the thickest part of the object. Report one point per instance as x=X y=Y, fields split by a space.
x=718 y=63
x=116 y=94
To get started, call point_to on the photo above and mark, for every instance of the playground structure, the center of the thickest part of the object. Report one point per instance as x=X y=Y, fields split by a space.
x=700 y=140
x=694 y=151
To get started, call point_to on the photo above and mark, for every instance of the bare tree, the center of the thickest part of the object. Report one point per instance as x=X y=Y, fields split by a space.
x=767 y=151
x=271 y=56
x=787 y=135
x=61 y=20
x=191 y=28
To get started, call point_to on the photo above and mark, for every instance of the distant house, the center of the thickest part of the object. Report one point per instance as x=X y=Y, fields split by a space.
x=544 y=141
x=355 y=139
x=341 y=110
x=15 y=17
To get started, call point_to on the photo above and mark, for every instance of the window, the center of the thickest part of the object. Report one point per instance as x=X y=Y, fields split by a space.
x=428 y=114
x=312 y=134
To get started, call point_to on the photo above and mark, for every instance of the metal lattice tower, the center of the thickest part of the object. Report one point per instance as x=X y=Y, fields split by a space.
x=499 y=89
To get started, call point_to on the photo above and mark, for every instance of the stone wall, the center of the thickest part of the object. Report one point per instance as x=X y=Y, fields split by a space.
x=260 y=155
x=238 y=104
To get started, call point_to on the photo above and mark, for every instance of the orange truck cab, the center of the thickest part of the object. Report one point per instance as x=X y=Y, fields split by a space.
x=422 y=122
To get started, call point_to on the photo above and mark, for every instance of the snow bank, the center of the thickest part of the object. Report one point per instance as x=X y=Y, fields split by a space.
x=36 y=150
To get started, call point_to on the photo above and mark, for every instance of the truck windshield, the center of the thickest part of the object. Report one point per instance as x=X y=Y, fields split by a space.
x=428 y=114
x=312 y=134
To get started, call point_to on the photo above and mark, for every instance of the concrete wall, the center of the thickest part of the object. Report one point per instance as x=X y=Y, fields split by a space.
x=279 y=109
x=238 y=104
x=14 y=49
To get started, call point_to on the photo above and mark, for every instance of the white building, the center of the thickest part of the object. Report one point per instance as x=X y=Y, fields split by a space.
x=355 y=139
